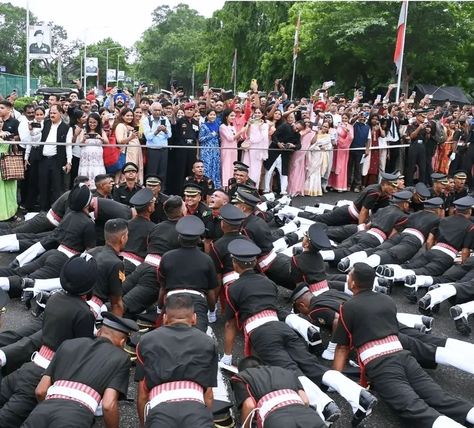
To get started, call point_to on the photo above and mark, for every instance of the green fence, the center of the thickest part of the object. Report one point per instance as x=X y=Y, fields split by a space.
x=10 y=82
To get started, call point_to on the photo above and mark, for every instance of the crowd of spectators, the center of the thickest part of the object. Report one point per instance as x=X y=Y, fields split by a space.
x=307 y=146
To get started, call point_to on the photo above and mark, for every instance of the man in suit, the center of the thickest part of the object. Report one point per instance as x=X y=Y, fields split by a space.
x=55 y=159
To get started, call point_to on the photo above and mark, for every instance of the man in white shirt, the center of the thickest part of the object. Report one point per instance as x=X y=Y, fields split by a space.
x=56 y=159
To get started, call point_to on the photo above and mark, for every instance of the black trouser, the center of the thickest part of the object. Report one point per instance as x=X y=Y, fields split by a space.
x=355 y=168
x=29 y=186
x=432 y=263
x=279 y=271
x=140 y=289
x=19 y=344
x=294 y=416
x=179 y=415
x=17 y=395
x=50 y=181
x=457 y=272
x=48 y=265
x=341 y=233
x=464 y=293
x=59 y=413
x=74 y=172
x=278 y=345
x=467 y=163
x=339 y=216
x=393 y=157
x=403 y=250
x=39 y=223
x=363 y=240
x=157 y=163
x=411 y=392
x=416 y=156
x=181 y=164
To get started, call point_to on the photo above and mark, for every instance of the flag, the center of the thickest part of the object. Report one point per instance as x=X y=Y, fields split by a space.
x=297 y=35
x=234 y=67
x=402 y=20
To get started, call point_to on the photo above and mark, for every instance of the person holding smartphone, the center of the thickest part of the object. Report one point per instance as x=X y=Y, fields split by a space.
x=91 y=162
x=157 y=131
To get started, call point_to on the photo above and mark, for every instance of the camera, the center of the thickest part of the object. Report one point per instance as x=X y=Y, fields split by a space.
x=136 y=128
x=35 y=125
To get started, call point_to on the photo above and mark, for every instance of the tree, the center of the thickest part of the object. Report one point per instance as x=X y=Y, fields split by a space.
x=171 y=46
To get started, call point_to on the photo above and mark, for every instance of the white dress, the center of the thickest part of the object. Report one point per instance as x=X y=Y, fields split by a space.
x=91 y=162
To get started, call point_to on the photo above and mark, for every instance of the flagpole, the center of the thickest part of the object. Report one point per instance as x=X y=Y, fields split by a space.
x=399 y=79
x=28 y=73
x=295 y=54
x=235 y=71
x=192 y=82
x=208 y=75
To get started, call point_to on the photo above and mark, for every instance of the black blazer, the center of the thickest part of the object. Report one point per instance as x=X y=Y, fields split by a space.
x=63 y=129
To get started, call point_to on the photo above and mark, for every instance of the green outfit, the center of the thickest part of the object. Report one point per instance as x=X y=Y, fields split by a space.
x=8 y=202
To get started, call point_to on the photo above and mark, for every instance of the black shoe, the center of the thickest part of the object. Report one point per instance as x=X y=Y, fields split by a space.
x=331 y=412
x=14 y=264
x=420 y=327
x=315 y=342
x=37 y=309
x=460 y=321
x=343 y=265
x=410 y=280
x=428 y=323
x=385 y=282
x=379 y=270
x=367 y=401
x=26 y=297
x=27 y=283
x=412 y=295
x=383 y=289
x=424 y=305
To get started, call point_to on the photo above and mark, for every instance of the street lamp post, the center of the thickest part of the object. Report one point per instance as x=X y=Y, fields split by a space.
x=107 y=65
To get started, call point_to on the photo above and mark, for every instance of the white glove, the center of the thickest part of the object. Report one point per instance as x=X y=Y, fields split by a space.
x=361 y=226
x=227 y=360
x=212 y=316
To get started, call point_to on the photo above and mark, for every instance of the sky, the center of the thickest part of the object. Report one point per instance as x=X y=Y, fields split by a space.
x=94 y=20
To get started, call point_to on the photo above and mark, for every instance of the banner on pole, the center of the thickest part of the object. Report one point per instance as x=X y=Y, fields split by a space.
x=92 y=66
x=120 y=75
x=111 y=75
x=40 y=41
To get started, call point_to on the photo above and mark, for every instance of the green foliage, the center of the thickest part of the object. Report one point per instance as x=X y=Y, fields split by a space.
x=171 y=46
x=21 y=102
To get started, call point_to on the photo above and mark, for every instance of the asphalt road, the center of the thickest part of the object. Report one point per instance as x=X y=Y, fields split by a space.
x=453 y=380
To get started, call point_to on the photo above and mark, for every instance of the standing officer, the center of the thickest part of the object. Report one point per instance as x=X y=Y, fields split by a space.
x=193 y=201
x=154 y=183
x=198 y=177
x=66 y=316
x=84 y=373
x=369 y=324
x=108 y=287
x=181 y=160
x=139 y=229
x=275 y=393
x=177 y=368
x=126 y=190
x=190 y=271
x=371 y=198
x=252 y=306
x=241 y=176
x=419 y=134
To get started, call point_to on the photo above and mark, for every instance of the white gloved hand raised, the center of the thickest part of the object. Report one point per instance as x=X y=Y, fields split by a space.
x=227 y=360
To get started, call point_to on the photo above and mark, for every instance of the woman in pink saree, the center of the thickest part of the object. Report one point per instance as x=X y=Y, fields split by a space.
x=297 y=168
x=345 y=134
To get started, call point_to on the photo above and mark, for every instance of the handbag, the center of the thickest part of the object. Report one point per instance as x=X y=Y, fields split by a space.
x=12 y=166
x=114 y=158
